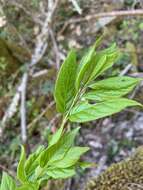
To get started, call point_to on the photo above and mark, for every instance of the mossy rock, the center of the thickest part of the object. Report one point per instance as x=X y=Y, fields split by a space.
x=125 y=175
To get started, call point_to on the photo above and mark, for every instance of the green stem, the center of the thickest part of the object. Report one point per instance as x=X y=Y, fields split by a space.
x=75 y=100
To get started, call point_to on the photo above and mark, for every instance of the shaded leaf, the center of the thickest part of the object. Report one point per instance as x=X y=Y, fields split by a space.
x=65 y=83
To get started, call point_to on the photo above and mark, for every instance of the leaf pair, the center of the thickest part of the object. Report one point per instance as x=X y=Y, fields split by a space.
x=94 y=64
x=60 y=159
x=114 y=87
x=107 y=95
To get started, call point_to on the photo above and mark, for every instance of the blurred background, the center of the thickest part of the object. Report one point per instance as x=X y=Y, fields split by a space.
x=72 y=24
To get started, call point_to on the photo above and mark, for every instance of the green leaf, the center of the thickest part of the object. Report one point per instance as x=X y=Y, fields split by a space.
x=58 y=150
x=61 y=173
x=85 y=67
x=85 y=165
x=65 y=83
x=7 y=183
x=94 y=64
x=28 y=187
x=33 y=161
x=111 y=88
x=87 y=112
x=55 y=138
x=104 y=60
x=21 y=175
x=71 y=157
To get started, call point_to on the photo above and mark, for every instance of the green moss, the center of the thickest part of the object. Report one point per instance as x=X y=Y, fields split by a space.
x=124 y=175
x=8 y=62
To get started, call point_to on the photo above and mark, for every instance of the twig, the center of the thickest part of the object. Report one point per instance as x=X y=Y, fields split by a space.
x=127 y=68
x=56 y=49
x=53 y=120
x=10 y=111
x=137 y=12
x=40 y=48
x=7 y=170
x=40 y=115
x=23 y=107
x=122 y=13
x=138 y=74
x=135 y=185
x=43 y=36
x=76 y=6
x=40 y=73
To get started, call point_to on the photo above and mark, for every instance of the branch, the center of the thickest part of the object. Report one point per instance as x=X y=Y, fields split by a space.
x=23 y=88
x=40 y=48
x=55 y=48
x=122 y=13
x=40 y=115
x=3 y=168
x=136 y=12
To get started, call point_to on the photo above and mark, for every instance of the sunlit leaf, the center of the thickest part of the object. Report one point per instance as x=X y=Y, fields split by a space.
x=7 y=183
x=21 y=175
x=55 y=137
x=103 y=61
x=86 y=65
x=58 y=150
x=61 y=173
x=71 y=157
x=33 y=161
x=111 y=88
x=94 y=64
x=87 y=112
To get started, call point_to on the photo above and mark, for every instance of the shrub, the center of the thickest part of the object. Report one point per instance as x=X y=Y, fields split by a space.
x=80 y=97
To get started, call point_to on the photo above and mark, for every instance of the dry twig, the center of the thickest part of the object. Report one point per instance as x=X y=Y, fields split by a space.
x=56 y=49
x=3 y=168
x=40 y=115
x=122 y=13
x=40 y=48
